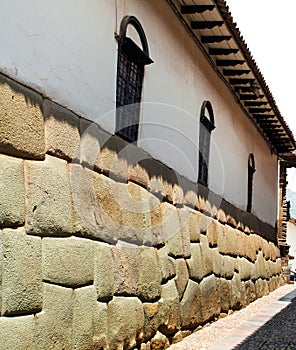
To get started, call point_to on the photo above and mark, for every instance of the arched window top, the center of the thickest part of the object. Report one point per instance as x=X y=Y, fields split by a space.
x=251 y=162
x=207 y=116
x=128 y=45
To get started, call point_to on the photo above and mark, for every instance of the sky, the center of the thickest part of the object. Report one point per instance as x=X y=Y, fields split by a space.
x=268 y=27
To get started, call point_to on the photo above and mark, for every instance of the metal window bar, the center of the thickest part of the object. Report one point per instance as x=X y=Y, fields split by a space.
x=128 y=96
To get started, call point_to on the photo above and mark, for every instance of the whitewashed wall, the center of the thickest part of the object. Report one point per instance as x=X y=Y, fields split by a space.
x=67 y=50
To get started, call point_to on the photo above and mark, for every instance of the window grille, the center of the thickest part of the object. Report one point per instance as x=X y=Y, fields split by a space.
x=130 y=73
x=206 y=127
x=251 y=171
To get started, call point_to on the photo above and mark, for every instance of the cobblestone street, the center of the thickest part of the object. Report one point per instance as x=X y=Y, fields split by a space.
x=267 y=323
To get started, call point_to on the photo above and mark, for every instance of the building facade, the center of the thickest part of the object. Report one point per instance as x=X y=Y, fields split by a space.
x=139 y=173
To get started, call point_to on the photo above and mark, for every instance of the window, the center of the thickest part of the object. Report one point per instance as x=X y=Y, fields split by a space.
x=130 y=72
x=207 y=125
x=251 y=170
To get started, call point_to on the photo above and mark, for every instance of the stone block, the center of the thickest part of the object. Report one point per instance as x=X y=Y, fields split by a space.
x=250 y=292
x=181 y=277
x=209 y=298
x=17 y=333
x=244 y=268
x=172 y=228
x=178 y=195
x=151 y=320
x=223 y=290
x=236 y=292
x=21 y=273
x=86 y=319
x=213 y=232
x=191 y=306
x=104 y=271
x=194 y=225
x=68 y=261
x=12 y=192
x=196 y=266
x=48 y=197
x=184 y=218
x=167 y=265
x=169 y=309
x=62 y=137
x=159 y=342
x=100 y=337
x=136 y=171
x=125 y=323
x=149 y=280
x=206 y=253
x=53 y=326
x=250 y=247
x=126 y=270
x=21 y=121
x=227 y=241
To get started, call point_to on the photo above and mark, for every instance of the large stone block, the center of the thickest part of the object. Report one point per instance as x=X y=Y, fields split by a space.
x=21 y=121
x=169 y=309
x=223 y=290
x=86 y=320
x=149 y=282
x=184 y=219
x=201 y=263
x=17 y=333
x=227 y=241
x=244 y=268
x=68 y=261
x=151 y=320
x=236 y=292
x=167 y=264
x=48 y=197
x=191 y=306
x=61 y=131
x=100 y=338
x=53 y=326
x=159 y=342
x=125 y=323
x=21 y=273
x=209 y=298
x=12 y=192
x=181 y=277
x=194 y=225
x=104 y=271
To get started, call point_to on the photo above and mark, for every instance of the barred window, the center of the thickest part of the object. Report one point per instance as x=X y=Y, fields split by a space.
x=130 y=73
x=207 y=125
x=251 y=171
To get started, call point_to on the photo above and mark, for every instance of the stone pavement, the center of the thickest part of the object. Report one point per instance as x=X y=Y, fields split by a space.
x=268 y=323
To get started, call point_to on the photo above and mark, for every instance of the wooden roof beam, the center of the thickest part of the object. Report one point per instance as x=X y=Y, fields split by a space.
x=255 y=103
x=206 y=24
x=241 y=81
x=191 y=9
x=229 y=63
x=247 y=97
x=235 y=72
x=259 y=110
x=222 y=51
x=214 y=38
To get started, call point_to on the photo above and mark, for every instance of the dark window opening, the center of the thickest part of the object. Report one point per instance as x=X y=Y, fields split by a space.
x=206 y=127
x=130 y=73
x=251 y=171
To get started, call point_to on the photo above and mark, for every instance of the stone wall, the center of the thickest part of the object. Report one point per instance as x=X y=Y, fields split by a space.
x=104 y=248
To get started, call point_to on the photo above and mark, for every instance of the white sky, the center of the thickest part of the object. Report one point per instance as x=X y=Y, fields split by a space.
x=268 y=27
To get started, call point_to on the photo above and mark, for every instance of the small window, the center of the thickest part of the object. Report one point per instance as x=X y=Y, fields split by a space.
x=251 y=171
x=206 y=126
x=130 y=72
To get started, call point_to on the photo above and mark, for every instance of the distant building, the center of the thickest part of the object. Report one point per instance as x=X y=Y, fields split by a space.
x=140 y=150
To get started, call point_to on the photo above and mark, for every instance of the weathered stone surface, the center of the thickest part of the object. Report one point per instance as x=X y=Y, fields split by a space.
x=104 y=271
x=223 y=290
x=151 y=320
x=178 y=195
x=17 y=333
x=125 y=323
x=181 y=277
x=48 y=197
x=68 y=261
x=159 y=342
x=167 y=265
x=169 y=308
x=21 y=121
x=126 y=270
x=261 y=266
x=209 y=298
x=184 y=218
x=62 y=137
x=250 y=292
x=236 y=292
x=227 y=240
x=135 y=206
x=191 y=306
x=54 y=324
x=201 y=263
x=85 y=318
x=21 y=273
x=100 y=337
x=213 y=232
x=149 y=281
x=194 y=226
x=154 y=235
x=12 y=192
x=244 y=268
x=250 y=246
x=172 y=229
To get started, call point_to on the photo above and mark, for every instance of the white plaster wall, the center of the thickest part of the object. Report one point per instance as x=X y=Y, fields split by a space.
x=68 y=52
x=291 y=240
